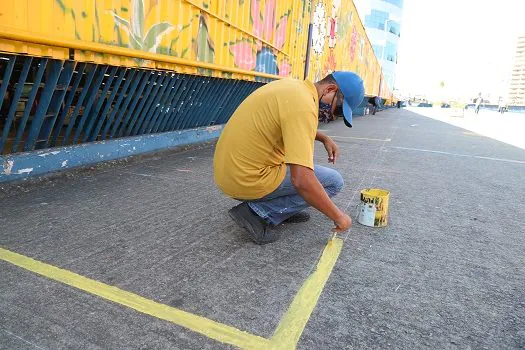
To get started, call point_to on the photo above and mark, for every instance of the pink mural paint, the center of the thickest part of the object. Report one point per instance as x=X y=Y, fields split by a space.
x=256 y=18
x=280 y=34
x=331 y=63
x=285 y=69
x=269 y=20
x=244 y=55
x=255 y=55
x=353 y=43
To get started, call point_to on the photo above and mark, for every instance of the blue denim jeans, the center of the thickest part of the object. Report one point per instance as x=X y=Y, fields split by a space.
x=285 y=201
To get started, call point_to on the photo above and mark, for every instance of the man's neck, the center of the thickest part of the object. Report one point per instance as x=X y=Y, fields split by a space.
x=319 y=89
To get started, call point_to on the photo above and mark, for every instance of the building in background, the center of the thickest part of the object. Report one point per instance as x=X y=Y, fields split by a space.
x=517 y=79
x=382 y=20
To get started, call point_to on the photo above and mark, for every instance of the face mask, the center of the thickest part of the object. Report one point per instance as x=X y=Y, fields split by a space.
x=325 y=112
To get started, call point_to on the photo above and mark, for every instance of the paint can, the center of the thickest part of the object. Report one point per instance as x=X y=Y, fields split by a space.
x=373 y=209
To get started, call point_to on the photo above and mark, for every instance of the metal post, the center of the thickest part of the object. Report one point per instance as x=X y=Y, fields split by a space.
x=309 y=44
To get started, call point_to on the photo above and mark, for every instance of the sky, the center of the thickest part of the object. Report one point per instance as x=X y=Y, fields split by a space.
x=467 y=44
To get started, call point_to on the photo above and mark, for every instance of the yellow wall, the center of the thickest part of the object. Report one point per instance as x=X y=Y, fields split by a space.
x=267 y=36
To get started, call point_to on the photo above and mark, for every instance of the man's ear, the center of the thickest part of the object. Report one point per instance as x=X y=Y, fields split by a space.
x=331 y=88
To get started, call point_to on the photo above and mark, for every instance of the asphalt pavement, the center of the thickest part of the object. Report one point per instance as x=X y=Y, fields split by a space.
x=447 y=272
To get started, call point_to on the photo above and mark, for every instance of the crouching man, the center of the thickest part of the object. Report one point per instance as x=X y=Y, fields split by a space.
x=264 y=156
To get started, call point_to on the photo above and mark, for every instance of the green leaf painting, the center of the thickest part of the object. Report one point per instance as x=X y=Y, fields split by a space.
x=139 y=39
x=155 y=34
x=137 y=18
x=205 y=47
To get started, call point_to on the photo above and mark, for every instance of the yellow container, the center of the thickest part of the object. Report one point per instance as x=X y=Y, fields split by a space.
x=373 y=209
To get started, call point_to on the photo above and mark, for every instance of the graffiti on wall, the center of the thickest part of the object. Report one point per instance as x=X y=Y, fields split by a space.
x=339 y=42
x=319 y=29
x=332 y=33
x=266 y=36
x=138 y=37
x=134 y=24
x=145 y=25
x=253 y=54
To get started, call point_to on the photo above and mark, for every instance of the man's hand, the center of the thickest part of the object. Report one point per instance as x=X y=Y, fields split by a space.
x=332 y=149
x=342 y=224
x=309 y=187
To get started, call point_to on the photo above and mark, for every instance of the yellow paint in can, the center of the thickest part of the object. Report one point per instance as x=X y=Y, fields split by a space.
x=373 y=210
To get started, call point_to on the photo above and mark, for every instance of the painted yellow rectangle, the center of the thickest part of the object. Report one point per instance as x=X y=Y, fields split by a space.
x=205 y=326
x=291 y=327
x=286 y=336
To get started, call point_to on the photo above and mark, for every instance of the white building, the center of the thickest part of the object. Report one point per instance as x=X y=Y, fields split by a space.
x=382 y=20
x=517 y=80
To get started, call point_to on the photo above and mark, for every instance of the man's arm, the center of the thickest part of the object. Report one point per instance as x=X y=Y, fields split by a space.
x=319 y=136
x=308 y=187
x=331 y=148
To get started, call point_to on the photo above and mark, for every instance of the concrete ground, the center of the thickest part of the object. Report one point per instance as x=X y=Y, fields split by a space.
x=447 y=272
x=507 y=127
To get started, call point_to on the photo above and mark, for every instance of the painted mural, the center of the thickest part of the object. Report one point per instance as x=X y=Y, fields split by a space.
x=339 y=42
x=256 y=39
x=253 y=54
x=261 y=36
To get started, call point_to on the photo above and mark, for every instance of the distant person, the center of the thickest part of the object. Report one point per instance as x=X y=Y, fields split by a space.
x=502 y=106
x=375 y=102
x=399 y=104
x=478 y=104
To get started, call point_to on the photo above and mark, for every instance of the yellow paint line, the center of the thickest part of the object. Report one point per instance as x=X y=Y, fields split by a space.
x=202 y=325
x=359 y=138
x=287 y=334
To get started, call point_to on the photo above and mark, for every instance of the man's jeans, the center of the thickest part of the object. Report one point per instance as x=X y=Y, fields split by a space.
x=284 y=202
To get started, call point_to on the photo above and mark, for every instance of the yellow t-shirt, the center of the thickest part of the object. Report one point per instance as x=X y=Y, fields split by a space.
x=274 y=126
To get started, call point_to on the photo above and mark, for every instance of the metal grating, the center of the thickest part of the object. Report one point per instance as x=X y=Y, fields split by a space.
x=47 y=103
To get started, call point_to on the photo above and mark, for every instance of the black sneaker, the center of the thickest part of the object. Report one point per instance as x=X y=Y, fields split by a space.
x=256 y=226
x=297 y=217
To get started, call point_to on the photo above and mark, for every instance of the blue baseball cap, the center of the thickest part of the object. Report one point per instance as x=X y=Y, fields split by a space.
x=353 y=89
